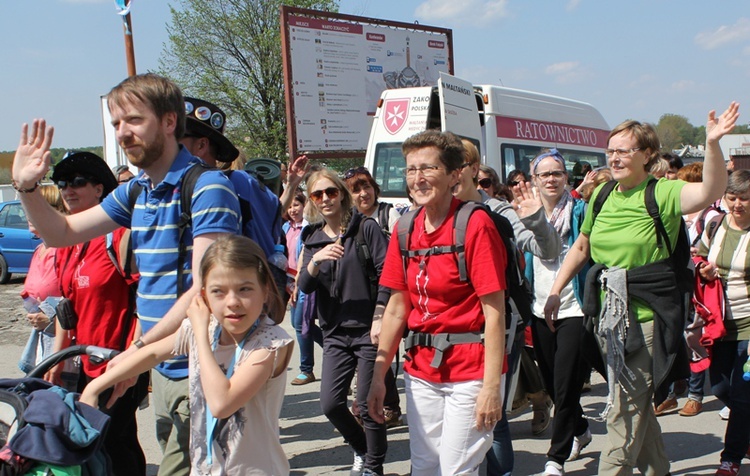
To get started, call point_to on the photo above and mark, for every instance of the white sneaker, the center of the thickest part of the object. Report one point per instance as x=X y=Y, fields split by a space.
x=552 y=468
x=724 y=413
x=579 y=443
x=359 y=465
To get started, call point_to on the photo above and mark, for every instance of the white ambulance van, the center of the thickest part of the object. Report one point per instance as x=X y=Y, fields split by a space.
x=509 y=126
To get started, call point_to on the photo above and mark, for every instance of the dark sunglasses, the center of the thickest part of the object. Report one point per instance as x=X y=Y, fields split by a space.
x=77 y=182
x=485 y=182
x=356 y=171
x=331 y=192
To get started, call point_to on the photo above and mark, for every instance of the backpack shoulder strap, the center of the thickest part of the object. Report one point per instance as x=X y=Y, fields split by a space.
x=405 y=227
x=122 y=261
x=365 y=258
x=187 y=188
x=602 y=197
x=460 y=224
x=713 y=225
x=384 y=211
x=133 y=192
x=653 y=211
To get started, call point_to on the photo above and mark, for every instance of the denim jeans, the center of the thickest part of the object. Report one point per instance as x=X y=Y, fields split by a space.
x=306 y=342
x=729 y=387
x=500 y=458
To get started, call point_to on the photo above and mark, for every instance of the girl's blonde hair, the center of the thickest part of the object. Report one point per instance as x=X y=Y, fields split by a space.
x=311 y=211
x=240 y=252
x=52 y=194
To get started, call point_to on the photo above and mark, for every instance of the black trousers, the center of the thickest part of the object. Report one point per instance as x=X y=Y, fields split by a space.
x=345 y=349
x=559 y=357
x=121 y=441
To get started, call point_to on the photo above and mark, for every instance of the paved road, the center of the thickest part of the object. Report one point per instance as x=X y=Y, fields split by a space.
x=315 y=448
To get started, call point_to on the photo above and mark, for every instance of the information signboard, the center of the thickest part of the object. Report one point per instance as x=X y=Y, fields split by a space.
x=336 y=67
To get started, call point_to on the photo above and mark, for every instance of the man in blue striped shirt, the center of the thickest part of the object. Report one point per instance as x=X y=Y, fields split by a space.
x=148 y=114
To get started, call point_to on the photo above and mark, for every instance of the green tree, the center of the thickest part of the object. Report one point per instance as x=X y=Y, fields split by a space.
x=229 y=52
x=674 y=130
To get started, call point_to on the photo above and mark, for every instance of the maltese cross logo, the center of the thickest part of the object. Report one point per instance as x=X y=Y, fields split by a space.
x=396 y=112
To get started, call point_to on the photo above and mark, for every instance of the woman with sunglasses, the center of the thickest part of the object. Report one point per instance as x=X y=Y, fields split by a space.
x=557 y=348
x=489 y=181
x=532 y=234
x=350 y=317
x=102 y=300
x=640 y=329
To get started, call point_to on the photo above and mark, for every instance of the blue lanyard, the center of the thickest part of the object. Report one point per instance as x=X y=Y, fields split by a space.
x=212 y=421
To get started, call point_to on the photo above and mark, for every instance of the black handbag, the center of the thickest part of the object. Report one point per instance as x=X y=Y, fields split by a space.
x=66 y=314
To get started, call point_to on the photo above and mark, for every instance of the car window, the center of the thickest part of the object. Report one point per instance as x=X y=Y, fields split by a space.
x=15 y=218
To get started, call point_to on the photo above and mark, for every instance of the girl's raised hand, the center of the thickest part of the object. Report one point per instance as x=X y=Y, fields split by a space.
x=199 y=314
x=527 y=201
x=32 y=158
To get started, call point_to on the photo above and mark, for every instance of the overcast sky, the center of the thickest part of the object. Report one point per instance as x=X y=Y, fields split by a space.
x=636 y=59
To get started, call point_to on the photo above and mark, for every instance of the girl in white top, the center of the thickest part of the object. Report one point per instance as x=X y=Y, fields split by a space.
x=238 y=359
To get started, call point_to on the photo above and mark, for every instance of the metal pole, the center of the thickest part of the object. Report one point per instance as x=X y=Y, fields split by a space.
x=129 y=50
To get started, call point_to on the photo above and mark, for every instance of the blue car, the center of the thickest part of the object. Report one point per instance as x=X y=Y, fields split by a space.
x=17 y=243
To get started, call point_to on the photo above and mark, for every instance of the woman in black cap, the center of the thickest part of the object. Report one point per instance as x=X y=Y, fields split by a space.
x=96 y=277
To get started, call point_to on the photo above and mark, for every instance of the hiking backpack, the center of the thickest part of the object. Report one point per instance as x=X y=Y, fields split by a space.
x=260 y=208
x=518 y=288
x=710 y=226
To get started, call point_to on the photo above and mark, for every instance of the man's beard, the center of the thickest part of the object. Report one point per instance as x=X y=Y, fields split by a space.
x=149 y=153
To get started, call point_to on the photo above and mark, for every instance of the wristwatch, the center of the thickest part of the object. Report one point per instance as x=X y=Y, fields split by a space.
x=315 y=263
x=139 y=343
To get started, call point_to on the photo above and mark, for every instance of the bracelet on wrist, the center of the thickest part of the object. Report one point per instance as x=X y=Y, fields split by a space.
x=315 y=263
x=139 y=343
x=23 y=190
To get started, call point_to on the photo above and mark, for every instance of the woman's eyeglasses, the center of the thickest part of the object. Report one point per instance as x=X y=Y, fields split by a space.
x=331 y=192
x=552 y=173
x=427 y=170
x=485 y=182
x=622 y=153
x=77 y=182
x=513 y=183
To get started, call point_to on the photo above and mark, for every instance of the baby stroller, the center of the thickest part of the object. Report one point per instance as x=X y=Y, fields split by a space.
x=45 y=430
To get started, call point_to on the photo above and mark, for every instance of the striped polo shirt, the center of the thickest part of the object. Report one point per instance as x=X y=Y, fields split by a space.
x=153 y=221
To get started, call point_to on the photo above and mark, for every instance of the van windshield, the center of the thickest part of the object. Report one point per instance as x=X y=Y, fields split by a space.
x=388 y=170
x=520 y=156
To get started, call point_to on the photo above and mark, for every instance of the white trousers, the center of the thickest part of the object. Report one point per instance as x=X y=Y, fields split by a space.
x=443 y=436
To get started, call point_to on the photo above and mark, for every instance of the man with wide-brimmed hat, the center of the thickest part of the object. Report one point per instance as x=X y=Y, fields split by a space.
x=148 y=115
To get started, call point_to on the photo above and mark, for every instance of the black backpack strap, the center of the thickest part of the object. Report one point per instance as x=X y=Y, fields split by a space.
x=365 y=259
x=713 y=225
x=460 y=224
x=405 y=227
x=186 y=203
x=653 y=211
x=384 y=211
x=601 y=198
x=133 y=193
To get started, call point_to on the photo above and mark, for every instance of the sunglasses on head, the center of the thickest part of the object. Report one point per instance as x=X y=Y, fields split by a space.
x=331 y=192
x=355 y=171
x=485 y=182
x=77 y=182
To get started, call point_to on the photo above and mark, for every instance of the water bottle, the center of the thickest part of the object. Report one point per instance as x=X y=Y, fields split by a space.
x=30 y=304
x=746 y=370
x=278 y=258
